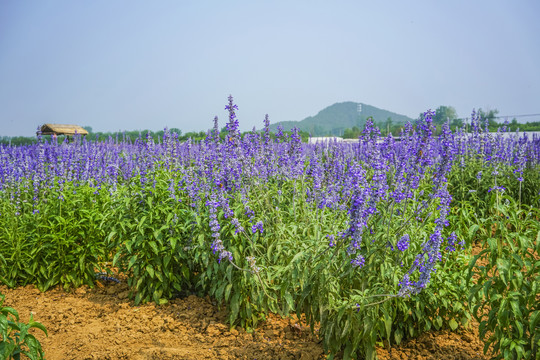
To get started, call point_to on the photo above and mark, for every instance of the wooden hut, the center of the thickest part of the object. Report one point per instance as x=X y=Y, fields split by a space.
x=60 y=129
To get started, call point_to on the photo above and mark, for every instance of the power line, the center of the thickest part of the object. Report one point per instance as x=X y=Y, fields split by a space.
x=505 y=116
x=515 y=116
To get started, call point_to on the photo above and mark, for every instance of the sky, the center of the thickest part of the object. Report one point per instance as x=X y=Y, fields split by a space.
x=135 y=65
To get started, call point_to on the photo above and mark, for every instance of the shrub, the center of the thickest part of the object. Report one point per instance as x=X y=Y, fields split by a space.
x=15 y=339
x=507 y=289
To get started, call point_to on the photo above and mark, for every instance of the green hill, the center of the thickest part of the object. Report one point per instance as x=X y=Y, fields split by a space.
x=334 y=119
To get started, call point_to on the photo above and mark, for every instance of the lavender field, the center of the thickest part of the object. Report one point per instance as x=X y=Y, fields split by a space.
x=371 y=241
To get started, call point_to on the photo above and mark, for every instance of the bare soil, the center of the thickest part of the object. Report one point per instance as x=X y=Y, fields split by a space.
x=102 y=323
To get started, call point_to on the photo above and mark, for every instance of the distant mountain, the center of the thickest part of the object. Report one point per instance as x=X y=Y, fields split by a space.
x=334 y=119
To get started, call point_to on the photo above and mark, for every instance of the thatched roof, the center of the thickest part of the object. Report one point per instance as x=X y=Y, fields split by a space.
x=60 y=129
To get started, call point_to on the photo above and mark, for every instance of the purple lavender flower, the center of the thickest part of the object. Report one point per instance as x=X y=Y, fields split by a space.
x=358 y=262
x=233 y=125
x=237 y=226
x=258 y=226
x=266 y=129
x=248 y=212
x=452 y=242
x=370 y=131
x=279 y=133
x=215 y=130
x=406 y=286
x=403 y=243
x=331 y=240
x=217 y=244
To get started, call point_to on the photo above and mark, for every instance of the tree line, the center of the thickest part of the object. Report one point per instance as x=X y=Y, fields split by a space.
x=132 y=135
x=448 y=113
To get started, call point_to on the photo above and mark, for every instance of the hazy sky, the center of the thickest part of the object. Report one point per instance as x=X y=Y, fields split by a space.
x=117 y=65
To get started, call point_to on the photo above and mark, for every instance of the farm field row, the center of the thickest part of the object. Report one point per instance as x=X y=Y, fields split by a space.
x=369 y=243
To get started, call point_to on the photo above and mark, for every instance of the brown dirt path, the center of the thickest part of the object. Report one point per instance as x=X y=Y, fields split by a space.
x=102 y=323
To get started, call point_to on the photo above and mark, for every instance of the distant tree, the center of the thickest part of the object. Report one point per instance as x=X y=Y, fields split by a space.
x=513 y=125
x=443 y=114
x=304 y=135
x=353 y=133
x=490 y=117
x=17 y=140
x=456 y=123
x=489 y=114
